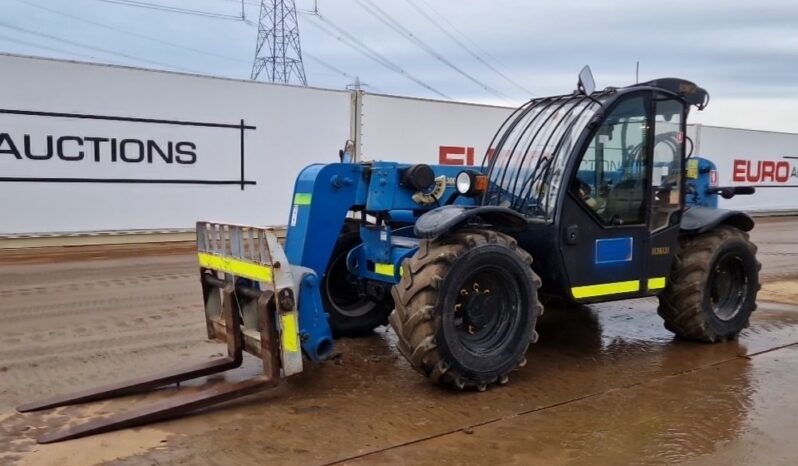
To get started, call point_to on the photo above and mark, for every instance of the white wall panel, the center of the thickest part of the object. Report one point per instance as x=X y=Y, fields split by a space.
x=766 y=160
x=291 y=127
x=98 y=118
x=415 y=130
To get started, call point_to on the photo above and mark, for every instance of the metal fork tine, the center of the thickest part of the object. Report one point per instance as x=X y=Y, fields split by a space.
x=162 y=410
x=134 y=385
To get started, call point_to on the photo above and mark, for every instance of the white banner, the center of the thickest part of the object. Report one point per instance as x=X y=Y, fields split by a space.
x=87 y=147
x=92 y=148
x=428 y=131
x=765 y=160
x=68 y=147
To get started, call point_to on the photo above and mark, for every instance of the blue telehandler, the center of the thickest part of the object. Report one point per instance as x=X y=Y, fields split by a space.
x=582 y=198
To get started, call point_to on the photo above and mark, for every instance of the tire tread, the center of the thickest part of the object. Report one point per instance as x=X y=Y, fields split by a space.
x=681 y=303
x=416 y=297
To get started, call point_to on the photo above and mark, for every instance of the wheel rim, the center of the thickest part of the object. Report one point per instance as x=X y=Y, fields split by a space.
x=486 y=309
x=343 y=290
x=728 y=286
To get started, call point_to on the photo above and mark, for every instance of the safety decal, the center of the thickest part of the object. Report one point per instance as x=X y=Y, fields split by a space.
x=656 y=283
x=692 y=169
x=239 y=268
x=302 y=198
x=384 y=269
x=288 y=336
x=604 y=289
x=611 y=250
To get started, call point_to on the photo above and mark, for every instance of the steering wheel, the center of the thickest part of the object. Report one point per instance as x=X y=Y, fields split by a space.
x=583 y=191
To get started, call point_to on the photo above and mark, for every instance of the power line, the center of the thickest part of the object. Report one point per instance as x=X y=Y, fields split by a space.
x=330 y=66
x=353 y=45
x=392 y=23
x=173 y=9
x=130 y=33
x=352 y=41
x=359 y=46
x=452 y=27
x=327 y=65
x=91 y=47
x=245 y=2
x=146 y=37
x=371 y=54
x=45 y=47
x=336 y=69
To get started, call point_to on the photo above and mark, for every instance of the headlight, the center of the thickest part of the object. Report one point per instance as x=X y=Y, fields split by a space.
x=463 y=182
x=471 y=183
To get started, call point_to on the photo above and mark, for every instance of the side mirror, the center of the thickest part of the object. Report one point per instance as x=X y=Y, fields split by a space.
x=731 y=191
x=347 y=154
x=586 y=84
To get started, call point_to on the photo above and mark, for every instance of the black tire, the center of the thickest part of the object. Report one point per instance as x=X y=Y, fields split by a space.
x=713 y=285
x=350 y=314
x=559 y=302
x=447 y=335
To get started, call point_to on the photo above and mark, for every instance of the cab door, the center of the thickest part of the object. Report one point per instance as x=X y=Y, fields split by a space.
x=667 y=189
x=604 y=222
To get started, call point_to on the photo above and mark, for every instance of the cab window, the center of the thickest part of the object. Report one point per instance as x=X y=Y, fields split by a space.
x=611 y=180
x=666 y=180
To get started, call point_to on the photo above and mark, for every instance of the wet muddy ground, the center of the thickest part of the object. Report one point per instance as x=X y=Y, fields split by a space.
x=604 y=385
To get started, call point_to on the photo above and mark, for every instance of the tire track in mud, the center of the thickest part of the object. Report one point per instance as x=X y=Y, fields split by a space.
x=100 y=283
x=73 y=325
x=89 y=306
x=82 y=342
x=82 y=365
x=40 y=276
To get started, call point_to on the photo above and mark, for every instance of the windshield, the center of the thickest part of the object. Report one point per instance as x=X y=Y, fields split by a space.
x=528 y=154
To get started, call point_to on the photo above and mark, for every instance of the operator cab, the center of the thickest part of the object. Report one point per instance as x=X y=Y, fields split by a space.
x=599 y=177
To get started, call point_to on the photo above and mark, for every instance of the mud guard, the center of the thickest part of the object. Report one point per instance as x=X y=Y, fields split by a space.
x=701 y=219
x=438 y=221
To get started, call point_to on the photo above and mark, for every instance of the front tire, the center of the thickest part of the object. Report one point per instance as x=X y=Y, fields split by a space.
x=351 y=313
x=713 y=285
x=466 y=308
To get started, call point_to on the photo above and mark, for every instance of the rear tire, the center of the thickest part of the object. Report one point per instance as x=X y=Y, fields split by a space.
x=466 y=308
x=713 y=285
x=350 y=313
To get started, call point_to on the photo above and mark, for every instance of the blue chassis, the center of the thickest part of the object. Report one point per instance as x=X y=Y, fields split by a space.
x=324 y=194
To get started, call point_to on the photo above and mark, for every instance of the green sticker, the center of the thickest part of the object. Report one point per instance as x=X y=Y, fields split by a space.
x=302 y=198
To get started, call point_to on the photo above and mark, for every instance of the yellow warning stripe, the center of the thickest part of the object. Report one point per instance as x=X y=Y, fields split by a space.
x=604 y=289
x=289 y=335
x=302 y=198
x=692 y=169
x=656 y=283
x=384 y=269
x=237 y=267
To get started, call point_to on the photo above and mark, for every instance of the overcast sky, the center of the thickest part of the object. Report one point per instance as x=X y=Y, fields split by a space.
x=744 y=52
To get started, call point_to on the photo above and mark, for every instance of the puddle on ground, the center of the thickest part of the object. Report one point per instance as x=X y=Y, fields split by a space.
x=740 y=412
x=606 y=383
x=782 y=291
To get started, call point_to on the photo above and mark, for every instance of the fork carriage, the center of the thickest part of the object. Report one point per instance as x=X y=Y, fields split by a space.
x=249 y=291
